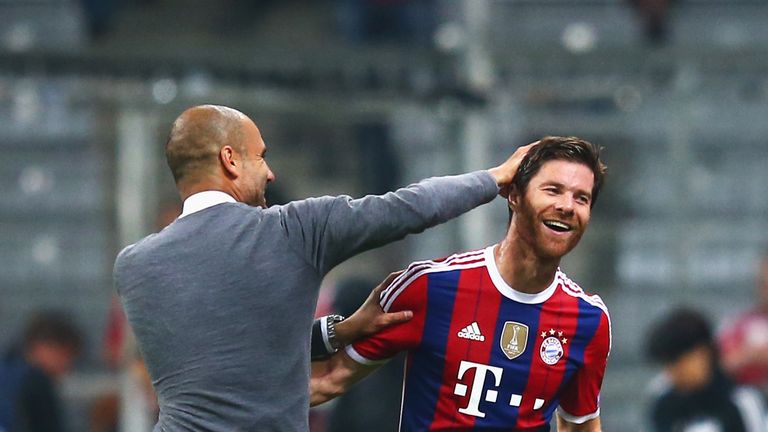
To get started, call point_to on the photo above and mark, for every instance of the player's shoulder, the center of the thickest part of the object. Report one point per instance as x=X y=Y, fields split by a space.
x=571 y=288
x=457 y=261
x=418 y=270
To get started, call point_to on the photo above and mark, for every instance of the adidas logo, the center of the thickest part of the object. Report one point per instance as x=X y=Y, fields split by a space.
x=472 y=332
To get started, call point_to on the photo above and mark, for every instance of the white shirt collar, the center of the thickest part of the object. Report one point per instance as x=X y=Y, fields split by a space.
x=511 y=293
x=203 y=200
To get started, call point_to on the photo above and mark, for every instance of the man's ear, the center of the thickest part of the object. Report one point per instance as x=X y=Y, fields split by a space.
x=513 y=199
x=229 y=161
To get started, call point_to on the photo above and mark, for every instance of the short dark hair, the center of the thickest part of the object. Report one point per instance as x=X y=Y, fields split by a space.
x=52 y=327
x=678 y=333
x=561 y=148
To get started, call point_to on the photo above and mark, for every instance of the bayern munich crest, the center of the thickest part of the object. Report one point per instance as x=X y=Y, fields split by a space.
x=551 y=349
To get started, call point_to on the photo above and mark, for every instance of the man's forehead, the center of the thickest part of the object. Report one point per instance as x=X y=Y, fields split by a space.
x=561 y=170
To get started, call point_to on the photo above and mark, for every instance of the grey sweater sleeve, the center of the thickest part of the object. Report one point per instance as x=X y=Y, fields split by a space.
x=328 y=230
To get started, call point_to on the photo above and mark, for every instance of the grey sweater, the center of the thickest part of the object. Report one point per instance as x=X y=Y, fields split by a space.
x=222 y=300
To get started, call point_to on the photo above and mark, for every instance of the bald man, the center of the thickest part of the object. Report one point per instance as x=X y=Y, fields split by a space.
x=222 y=300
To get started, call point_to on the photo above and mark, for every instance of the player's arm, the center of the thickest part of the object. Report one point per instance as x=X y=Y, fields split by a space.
x=592 y=425
x=404 y=291
x=370 y=318
x=333 y=377
x=367 y=320
x=580 y=399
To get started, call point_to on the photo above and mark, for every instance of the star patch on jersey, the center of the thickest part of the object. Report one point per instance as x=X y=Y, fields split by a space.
x=551 y=349
x=514 y=339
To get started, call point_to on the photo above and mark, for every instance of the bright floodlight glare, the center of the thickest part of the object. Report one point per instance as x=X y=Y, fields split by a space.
x=579 y=37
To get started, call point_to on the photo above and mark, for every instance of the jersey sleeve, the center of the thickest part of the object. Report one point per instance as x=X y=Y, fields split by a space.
x=407 y=292
x=580 y=400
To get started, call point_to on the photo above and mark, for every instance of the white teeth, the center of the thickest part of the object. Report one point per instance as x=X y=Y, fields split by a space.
x=557 y=224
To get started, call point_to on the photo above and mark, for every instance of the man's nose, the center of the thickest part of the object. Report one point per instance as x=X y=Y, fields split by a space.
x=565 y=203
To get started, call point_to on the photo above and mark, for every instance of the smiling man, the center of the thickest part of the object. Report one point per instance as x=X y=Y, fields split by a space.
x=501 y=336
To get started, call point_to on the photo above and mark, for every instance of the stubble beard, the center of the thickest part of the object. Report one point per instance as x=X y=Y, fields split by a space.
x=544 y=246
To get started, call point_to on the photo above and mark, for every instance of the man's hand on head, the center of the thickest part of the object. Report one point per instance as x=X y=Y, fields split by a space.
x=370 y=318
x=505 y=173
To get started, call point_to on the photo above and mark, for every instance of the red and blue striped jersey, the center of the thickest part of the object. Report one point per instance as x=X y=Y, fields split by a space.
x=482 y=356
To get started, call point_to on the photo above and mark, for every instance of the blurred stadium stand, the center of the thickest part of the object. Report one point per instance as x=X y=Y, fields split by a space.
x=683 y=125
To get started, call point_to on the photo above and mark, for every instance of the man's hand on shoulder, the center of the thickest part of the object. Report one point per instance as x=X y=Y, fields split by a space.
x=505 y=173
x=370 y=318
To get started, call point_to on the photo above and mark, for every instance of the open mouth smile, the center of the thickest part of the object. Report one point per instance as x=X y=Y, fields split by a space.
x=558 y=226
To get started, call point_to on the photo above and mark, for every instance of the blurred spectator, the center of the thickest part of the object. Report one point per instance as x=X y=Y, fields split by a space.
x=744 y=339
x=695 y=394
x=30 y=371
x=373 y=405
x=655 y=16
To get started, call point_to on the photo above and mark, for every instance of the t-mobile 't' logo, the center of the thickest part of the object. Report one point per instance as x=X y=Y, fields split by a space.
x=476 y=393
x=473 y=408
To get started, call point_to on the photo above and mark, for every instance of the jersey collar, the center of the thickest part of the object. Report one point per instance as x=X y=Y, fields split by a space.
x=511 y=293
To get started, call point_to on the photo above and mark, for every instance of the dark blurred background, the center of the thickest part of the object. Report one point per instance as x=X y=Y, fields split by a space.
x=362 y=96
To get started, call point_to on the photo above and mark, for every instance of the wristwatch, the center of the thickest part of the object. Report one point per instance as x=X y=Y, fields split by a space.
x=330 y=325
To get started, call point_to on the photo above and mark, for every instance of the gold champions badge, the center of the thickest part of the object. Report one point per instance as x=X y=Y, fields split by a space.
x=514 y=339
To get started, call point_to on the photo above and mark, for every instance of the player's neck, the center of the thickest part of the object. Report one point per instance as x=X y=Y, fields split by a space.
x=521 y=268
